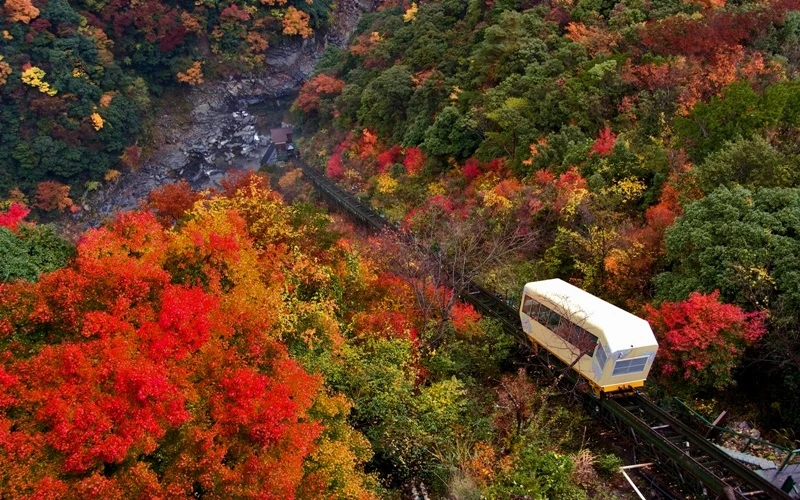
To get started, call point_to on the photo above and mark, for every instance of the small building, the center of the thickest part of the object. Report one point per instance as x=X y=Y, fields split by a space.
x=282 y=138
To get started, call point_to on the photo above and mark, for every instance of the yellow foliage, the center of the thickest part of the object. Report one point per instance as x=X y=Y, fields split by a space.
x=454 y=93
x=338 y=462
x=290 y=178
x=571 y=208
x=626 y=190
x=386 y=184
x=436 y=189
x=193 y=75
x=33 y=77
x=112 y=175
x=411 y=13
x=97 y=121
x=493 y=199
x=7 y=35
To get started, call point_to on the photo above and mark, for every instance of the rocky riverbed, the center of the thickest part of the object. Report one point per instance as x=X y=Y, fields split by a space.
x=220 y=125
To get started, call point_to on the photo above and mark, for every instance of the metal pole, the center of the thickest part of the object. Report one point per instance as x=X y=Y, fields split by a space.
x=630 y=481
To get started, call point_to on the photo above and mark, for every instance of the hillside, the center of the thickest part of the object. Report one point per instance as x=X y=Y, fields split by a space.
x=258 y=349
x=80 y=81
x=652 y=147
x=228 y=337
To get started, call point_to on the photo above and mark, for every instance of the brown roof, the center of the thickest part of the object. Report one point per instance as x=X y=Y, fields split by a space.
x=280 y=135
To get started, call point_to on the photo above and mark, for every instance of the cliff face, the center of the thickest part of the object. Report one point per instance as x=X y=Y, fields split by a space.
x=289 y=64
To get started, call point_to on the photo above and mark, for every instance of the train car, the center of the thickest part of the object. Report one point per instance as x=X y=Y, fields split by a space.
x=614 y=349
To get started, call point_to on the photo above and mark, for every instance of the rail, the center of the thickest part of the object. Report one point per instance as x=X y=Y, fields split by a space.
x=697 y=465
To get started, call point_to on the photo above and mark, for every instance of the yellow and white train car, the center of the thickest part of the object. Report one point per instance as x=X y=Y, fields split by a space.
x=614 y=349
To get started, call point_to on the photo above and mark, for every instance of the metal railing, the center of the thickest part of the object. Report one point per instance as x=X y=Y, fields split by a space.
x=749 y=440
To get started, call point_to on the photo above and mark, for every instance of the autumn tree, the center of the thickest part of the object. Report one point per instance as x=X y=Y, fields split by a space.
x=155 y=364
x=440 y=252
x=295 y=22
x=193 y=75
x=702 y=340
x=52 y=195
x=171 y=201
x=315 y=90
x=21 y=10
x=13 y=215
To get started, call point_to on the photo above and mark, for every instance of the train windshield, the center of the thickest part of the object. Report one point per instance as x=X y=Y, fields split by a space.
x=626 y=366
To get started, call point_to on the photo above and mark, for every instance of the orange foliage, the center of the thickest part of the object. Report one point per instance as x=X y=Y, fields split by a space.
x=698 y=78
x=367 y=144
x=52 y=195
x=595 y=39
x=5 y=70
x=363 y=44
x=193 y=75
x=295 y=22
x=629 y=267
x=106 y=98
x=481 y=465
x=171 y=201
x=315 y=89
x=21 y=10
x=191 y=23
x=708 y=4
x=257 y=42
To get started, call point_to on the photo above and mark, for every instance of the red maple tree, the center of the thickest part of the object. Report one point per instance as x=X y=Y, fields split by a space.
x=702 y=339
x=13 y=216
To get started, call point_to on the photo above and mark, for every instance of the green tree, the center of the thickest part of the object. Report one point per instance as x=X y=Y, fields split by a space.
x=451 y=135
x=539 y=475
x=31 y=252
x=738 y=112
x=744 y=243
x=749 y=162
x=384 y=102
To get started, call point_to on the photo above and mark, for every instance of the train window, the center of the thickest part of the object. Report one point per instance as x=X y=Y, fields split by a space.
x=577 y=336
x=626 y=366
x=530 y=307
x=601 y=356
x=554 y=320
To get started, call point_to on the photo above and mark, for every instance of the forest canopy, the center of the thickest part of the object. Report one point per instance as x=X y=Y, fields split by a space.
x=652 y=146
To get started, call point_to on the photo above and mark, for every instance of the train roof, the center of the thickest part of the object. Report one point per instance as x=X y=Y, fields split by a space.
x=620 y=329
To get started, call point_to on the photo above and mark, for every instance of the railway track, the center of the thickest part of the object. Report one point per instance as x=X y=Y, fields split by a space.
x=698 y=466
